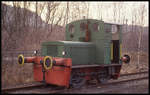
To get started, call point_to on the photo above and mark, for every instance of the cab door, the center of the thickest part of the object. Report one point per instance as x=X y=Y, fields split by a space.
x=115 y=51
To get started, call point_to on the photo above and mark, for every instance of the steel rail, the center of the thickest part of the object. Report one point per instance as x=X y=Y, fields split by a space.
x=128 y=74
x=127 y=80
x=22 y=87
x=107 y=84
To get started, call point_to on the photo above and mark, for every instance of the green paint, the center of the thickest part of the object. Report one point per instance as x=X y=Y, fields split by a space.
x=80 y=52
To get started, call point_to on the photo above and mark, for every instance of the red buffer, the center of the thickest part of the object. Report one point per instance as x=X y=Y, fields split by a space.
x=55 y=71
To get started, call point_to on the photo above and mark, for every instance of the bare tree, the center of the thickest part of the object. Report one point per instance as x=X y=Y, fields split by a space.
x=114 y=11
x=41 y=8
x=141 y=20
x=59 y=18
x=117 y=9
x=87 y=7
x=4 y=11
x=36 y=5
x=120 y=5
x=66 y=14
x=50 y=15
x=100 y=11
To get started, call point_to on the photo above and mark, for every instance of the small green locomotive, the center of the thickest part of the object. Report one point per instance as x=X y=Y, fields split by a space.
x=94 y=48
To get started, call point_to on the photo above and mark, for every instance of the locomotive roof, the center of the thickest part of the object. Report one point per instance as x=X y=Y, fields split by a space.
x=67 y=43
x=113 y=23
x=95 y=20
x=84 y=20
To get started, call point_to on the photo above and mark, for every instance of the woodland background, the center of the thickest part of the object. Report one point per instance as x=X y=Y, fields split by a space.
x=23 y=31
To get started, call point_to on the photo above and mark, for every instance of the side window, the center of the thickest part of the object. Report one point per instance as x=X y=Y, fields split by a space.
x=95 y=27
x=71 y=30
x=83 y=26
x=114 y=29
x=107 y=28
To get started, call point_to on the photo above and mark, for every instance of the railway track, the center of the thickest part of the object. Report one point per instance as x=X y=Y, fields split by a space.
x=137 y=73
x=23 y=86
x=43 y=88
x=131 y=76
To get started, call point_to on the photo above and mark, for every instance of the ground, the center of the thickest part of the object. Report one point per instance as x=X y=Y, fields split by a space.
x=138 y=87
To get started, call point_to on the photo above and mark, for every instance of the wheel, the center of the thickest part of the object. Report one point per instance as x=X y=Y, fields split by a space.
x=103 y=77
x=77 y=81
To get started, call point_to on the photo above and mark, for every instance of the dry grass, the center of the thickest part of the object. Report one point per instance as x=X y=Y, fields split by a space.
x=13 y=74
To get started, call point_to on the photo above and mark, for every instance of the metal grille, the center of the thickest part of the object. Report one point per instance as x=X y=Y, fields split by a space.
x=52 y=50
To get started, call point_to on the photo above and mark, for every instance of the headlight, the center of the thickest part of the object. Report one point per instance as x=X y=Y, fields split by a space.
x=35 y=52
x=63 y=53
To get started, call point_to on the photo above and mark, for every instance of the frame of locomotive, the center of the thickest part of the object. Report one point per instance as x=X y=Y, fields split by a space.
x=92 y=50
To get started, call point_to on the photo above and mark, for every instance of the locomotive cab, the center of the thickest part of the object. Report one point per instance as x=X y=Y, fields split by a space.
x=94 y=47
